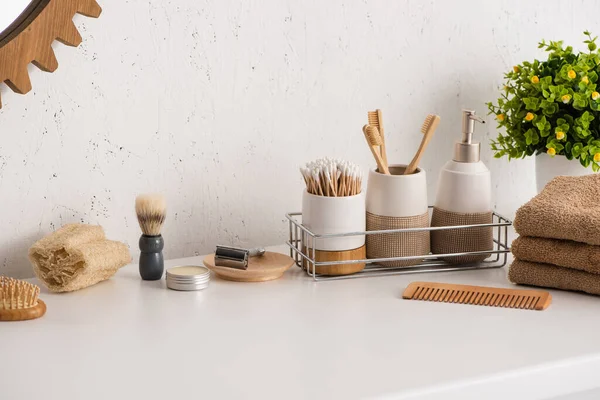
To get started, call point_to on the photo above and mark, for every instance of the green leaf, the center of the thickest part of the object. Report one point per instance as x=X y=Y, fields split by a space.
x=532 y=103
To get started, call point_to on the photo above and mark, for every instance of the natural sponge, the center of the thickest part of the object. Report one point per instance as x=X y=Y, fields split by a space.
x=76 y=256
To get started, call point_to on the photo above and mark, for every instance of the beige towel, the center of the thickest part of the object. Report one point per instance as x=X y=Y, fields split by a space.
x=546 y=275
x=564 y=253
x=76 y=256
x=567 y=208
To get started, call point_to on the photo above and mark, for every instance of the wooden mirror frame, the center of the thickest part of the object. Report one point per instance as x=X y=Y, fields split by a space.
x=29 y=38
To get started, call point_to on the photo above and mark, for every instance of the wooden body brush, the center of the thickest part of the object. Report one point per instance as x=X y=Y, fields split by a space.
x=374 y=141
x=428 y=128
x=151 y=212
x=19 y=300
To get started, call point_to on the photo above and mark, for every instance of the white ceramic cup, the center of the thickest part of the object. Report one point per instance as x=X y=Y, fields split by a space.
x=324 y=215
x=397 y=195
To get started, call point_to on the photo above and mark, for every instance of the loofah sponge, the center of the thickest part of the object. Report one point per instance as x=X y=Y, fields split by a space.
x=76 y=256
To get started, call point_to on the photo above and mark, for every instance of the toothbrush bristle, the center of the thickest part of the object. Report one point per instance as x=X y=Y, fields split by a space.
x=373 y=118
x=373 y=136
x=427 y=123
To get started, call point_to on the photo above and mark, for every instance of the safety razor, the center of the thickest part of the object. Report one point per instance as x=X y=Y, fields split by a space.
x=234 y=257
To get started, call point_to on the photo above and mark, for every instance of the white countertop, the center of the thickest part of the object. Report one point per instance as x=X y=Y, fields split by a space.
x=294 y=338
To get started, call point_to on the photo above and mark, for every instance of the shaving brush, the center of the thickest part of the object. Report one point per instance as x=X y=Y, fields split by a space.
x=151 y=210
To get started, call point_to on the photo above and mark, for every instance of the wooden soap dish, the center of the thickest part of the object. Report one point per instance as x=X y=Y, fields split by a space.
x=267 y=267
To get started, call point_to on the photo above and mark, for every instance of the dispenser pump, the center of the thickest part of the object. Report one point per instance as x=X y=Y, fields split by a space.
x=467 y=151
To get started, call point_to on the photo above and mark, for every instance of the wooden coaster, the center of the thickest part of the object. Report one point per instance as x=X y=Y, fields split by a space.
x=264 y=268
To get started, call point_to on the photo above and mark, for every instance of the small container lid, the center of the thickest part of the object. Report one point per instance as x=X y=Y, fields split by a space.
x=188 y=277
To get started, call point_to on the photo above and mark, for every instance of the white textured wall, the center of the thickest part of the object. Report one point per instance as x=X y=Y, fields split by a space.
x=217 y=103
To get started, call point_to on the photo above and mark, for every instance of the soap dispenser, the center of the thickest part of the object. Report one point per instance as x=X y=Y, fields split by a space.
x=463 y=198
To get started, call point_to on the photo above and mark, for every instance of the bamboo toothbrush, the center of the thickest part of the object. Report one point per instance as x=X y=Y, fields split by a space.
x=151 y=211
x=429 y=126
x=373 y=140
x=375 y=118
x=19 y=300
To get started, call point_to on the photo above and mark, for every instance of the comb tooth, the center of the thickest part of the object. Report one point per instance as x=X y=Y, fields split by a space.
x=523 y=301
x=535 y=303
x=490 y=298
x=425 y=294
x=431 y=294
x=514 y=300
x=462 y=297
x=439 y=294
x=444 y=294
x=515 y=303
x=528 y=302
x=434 y=294
x=480 y=297
x=474 y=298
x=504 y=300
x=455 y=296
x=484 y=298
x=448 y=295
x=416 y=292
x=469 y=299
x=465 y=298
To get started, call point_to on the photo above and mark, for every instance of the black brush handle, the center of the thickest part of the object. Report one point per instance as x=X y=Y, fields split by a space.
x=152 y=263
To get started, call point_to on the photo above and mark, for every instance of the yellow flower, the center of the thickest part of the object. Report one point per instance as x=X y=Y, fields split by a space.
x=551 y=151
x=560 y=135
x=571 y=74
x=566 y=98
x=597 y=157
x=500 y=117
x=516 y=69
x=529 y=117
x=585 y=80
x=595 y=96
x=535 y=79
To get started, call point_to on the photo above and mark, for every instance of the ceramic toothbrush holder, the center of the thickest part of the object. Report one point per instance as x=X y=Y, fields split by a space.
x=393 y=202
x=326 y=215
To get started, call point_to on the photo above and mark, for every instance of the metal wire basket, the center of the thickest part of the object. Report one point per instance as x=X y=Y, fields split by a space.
x=300 y=235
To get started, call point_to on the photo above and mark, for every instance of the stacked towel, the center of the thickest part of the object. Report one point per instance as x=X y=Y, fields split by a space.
x=559 y=246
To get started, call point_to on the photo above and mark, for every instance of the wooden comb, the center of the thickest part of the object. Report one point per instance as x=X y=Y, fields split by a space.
x=478 y=295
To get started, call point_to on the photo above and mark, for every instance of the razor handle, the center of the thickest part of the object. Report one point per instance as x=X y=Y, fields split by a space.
x=152 y=263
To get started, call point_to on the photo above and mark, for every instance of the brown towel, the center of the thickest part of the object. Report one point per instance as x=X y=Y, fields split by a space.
x=76 y=256
x=564 y=253
x=546 y=275
x=567 y=208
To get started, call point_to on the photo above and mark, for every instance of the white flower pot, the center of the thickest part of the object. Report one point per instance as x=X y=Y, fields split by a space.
x=547 y=168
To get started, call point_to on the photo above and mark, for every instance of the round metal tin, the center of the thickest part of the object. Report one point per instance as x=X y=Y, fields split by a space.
x=188 y=277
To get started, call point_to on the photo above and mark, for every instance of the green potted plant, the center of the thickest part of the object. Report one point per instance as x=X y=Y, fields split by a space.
x=551 y=109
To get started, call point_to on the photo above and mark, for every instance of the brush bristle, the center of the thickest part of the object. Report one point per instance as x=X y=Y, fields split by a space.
x=373 y=136
x=151 y=210
x=16 y=294
x=373 y=118
x=427 y=123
